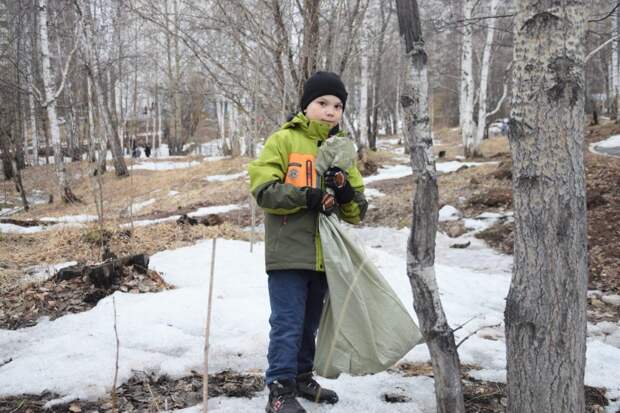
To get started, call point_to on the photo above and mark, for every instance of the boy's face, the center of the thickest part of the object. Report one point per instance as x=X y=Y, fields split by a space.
x=326 y=108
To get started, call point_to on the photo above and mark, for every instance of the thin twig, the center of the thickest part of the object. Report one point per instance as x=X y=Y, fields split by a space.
x=205 y=377
x=114 y=400
x=474 y=332
x=593 y=52
x=463 y=325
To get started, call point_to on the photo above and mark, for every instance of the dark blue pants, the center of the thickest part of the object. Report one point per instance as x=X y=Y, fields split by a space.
x=296 y=298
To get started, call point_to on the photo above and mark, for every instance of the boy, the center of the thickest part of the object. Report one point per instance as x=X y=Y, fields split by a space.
x=285 y=184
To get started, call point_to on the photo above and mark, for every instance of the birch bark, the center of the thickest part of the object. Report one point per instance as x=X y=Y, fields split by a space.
x=33 y=119
x=91 y=61
x=484 y=81
x=466 y=98
x=363 y=112
x=62 y=175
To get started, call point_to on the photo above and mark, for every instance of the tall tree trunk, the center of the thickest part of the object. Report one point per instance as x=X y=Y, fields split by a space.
x=421 y=244
x=105 y=117
x=546 y=305
x=7 y=166
x=120 y=108
x=46 y=133
x=221 y=120
x=33 y=117
x=172 y=84
x=613 y=70
x=95 y=174
x=50 y=103
x=484 y=81
x=466 y=98
x=363 y=111
x=310 y=47
x=378 y=76
x=178 y=128
x=158 y=117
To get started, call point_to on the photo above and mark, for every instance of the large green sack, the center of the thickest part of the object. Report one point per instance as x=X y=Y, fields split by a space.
x=364 y=327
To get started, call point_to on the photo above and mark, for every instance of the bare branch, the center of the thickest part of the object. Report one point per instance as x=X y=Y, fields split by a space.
x=593 y=52
x=499 y=104
x=474 y=332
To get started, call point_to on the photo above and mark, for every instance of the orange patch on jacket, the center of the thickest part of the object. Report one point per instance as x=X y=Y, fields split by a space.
x=301 y=172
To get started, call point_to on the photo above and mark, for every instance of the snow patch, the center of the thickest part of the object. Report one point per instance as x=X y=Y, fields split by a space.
x=449 y=213
x=219 y=209
x=70 y=218
x=607 y=147
x=373 y=193
x=163 y=166
x=223 y=178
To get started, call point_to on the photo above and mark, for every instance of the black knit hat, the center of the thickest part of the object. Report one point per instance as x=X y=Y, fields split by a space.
x=321 y=84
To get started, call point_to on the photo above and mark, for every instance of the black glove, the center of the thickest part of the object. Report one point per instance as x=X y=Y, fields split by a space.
x=319 y=200
x=336 y=179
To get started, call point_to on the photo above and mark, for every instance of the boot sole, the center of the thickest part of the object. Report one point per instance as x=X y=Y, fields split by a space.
x=314 y=400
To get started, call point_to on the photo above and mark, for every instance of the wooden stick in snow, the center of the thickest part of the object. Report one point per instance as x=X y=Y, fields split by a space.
x=114 y=399
x=205 y=377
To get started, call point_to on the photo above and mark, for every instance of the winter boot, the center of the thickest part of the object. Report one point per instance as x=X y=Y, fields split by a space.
x=309 y=389
x=282 y=398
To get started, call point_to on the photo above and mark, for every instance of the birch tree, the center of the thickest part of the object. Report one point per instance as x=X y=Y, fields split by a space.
x=414 y=100
x=34 y=135
x=485 y=66
x=615 y=73
x=51 y=95
x=89 y=55
x=365 y=78
x=466 y=97
x=546 y=305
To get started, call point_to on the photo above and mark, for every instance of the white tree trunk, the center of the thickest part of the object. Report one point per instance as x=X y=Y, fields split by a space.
x=546 y=305
x=397 y=114
x=484 y=80
x=153 y=121
x=159 y=131
x=92 y=146
x=466 y=98
x=50 y=104
x=33 y=121
x=221 y=121
x=614 y=66
x=177 y=78
x=158 y=117
x=233 y=125
x=363 y=111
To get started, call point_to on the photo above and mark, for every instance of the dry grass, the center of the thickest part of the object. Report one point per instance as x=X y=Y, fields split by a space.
x=383 y=157
x=82 y=245
x=140 y=186
x=450 y=141
x=19 y=251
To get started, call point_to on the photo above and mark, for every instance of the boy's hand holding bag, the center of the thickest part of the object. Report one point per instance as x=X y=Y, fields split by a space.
x=336 y=179
x=319 y=200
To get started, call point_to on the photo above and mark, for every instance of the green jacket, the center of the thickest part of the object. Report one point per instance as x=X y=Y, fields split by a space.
x=279 y=179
